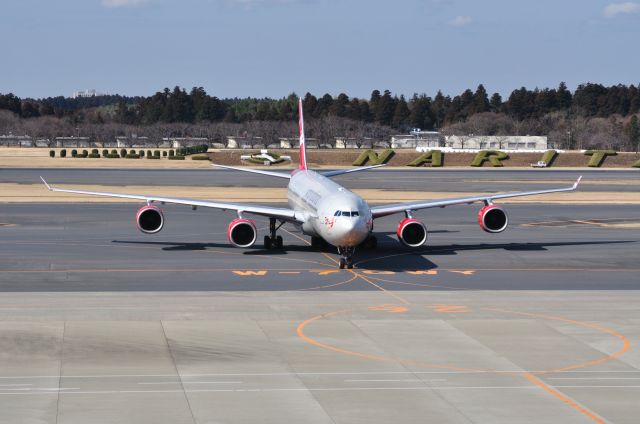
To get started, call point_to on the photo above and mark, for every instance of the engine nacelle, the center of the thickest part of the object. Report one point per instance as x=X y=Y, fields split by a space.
x=242 y=232
x=411 y=232
x=150 y=219
x=493 y=219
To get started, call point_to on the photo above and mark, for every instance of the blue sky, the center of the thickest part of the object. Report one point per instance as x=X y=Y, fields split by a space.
x=274 y=47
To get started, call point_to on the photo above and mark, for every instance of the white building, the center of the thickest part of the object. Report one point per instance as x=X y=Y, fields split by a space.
x=417 y=139
x=496 y=142
x=86 y=93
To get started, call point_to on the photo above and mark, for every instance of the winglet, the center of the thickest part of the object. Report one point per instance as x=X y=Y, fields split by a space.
x=303 y=147
x=45 y=183
x=575 y=185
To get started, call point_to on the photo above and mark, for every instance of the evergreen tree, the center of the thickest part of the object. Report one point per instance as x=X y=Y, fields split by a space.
x=374 y=101
x=11 y=102
x=421 y=114
x=479 y=101
x=386 y=109
x=564 y=97
x=400 y=114
x=323 y=106
x=339 y=106
x=496 y=103
x=309 y=104
x=439 y=108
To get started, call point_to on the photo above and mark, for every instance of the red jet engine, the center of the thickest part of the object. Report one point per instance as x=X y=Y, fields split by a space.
x=242 y=232
x=411 y=232
x=493 y=219
x=150 y=219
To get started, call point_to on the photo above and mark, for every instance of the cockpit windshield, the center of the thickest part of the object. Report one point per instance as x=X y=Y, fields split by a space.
x=346 y=213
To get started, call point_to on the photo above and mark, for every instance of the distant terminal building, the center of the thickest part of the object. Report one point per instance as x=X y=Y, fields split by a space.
x=86 y=93
x=417 y=139
x=496 y=142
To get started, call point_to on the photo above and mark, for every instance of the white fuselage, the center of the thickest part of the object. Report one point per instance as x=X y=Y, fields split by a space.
x=339 y=216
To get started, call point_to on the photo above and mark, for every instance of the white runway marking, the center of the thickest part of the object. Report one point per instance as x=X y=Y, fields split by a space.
x=192 y=382
x=280 y=374
x=317 y=389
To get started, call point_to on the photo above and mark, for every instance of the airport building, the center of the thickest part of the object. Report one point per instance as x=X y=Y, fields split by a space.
x=496 y=142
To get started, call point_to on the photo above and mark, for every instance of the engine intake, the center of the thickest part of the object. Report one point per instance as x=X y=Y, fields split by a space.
x=493 y=219
x=411 y=232
x=150 y=219
x=242 y=232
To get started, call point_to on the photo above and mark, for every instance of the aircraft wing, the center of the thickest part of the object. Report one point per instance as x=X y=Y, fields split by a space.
x=350 y=170
x=285 y=214
x=380 y=211
x=254 y=171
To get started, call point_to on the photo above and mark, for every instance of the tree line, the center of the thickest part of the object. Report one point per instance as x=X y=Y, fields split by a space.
x=592 y=116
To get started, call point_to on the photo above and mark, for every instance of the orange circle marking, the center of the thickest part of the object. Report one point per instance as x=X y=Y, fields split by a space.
x=530 y=376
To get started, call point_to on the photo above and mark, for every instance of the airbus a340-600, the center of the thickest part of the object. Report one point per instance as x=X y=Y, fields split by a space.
x=322 y=209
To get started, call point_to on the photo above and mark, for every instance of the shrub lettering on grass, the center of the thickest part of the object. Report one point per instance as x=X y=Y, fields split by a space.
x=433 y=157
x=598 y=157
x=373 y=158
x=549 y=157
x=495 y=157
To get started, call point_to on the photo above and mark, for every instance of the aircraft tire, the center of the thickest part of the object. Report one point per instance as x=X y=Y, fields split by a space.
x=279 y=242
x=267 y=242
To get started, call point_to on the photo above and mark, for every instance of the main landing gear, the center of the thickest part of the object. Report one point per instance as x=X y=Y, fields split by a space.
x=346 y=257
x=272 y=241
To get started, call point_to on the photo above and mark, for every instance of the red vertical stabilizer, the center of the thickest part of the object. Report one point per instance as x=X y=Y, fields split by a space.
x=303 y=147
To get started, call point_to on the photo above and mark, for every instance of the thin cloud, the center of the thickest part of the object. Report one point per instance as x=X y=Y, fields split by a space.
x=460 y=21
x=615 y=9
x=123 y=3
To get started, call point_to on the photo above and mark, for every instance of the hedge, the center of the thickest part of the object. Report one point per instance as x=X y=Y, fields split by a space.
x=176 y=157
x=132 y=156
x=94 y=155
x=153 y=157
x=200 y=157
x=113 y=156
x=373 y=158
x=192 y=150
x=52 y=153
x=74 y=153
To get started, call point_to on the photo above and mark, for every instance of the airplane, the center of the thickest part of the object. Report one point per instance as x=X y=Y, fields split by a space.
x=322 y=209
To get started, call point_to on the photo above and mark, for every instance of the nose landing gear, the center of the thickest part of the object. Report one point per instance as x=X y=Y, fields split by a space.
x=346 y=257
